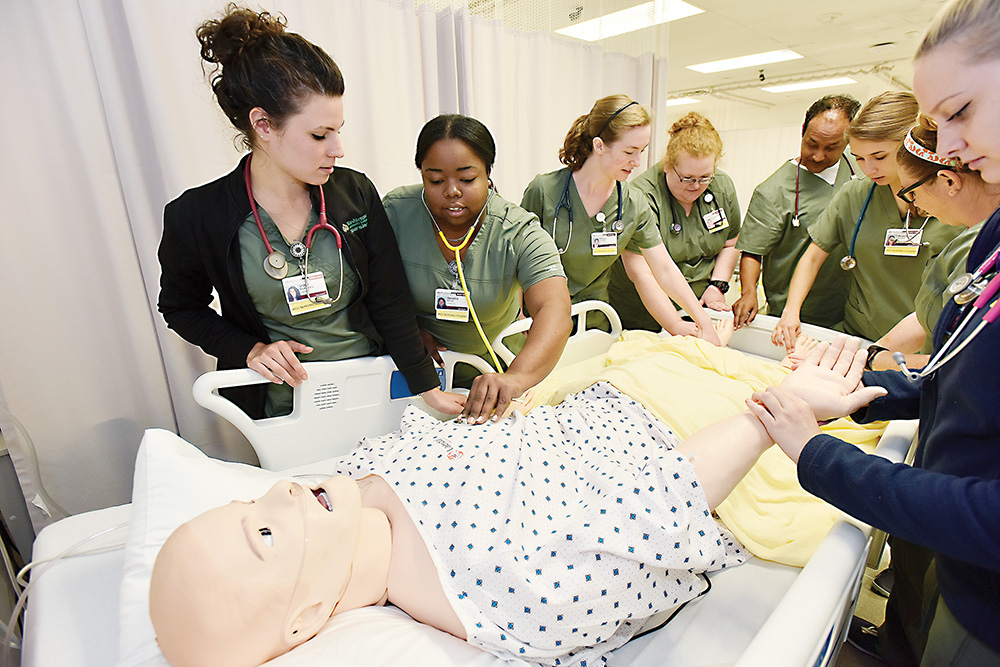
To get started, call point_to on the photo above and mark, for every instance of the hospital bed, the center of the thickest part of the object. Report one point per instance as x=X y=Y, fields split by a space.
x=760 y=613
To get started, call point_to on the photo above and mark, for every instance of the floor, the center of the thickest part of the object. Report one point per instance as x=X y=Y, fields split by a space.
x=871 y=607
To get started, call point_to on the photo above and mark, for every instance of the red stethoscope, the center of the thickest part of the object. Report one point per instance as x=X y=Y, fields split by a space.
x=795 y=213
x=275 y=264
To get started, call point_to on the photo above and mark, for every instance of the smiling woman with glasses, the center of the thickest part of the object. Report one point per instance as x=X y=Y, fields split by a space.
x=698 y=217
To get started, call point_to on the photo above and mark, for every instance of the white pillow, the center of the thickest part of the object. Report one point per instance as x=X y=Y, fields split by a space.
x=175 y=482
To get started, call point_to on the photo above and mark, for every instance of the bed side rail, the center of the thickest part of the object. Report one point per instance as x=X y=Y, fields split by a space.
x=583 y=344
x=341 y=402
x=808 y=625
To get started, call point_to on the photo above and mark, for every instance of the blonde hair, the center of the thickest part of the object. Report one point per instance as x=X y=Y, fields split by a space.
x=925 y=135
x=695 y=135
x=975 y=24
x=885 y=117
x=609 y=118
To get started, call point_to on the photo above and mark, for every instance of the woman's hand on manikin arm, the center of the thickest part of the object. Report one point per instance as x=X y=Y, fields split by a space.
x=789 y=325
x=277 y=361
x=786 y=418
x=829 y=379
x=673 y=282
x=654 y=298
x=548 y=303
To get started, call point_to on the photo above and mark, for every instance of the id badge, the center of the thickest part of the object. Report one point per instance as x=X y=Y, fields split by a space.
x=603 y=244
x=295 y=293
x=715 y=220
x=450 y=305
x=903 y=242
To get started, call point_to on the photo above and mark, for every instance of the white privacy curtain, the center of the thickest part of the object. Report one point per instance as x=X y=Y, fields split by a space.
x=108 y=116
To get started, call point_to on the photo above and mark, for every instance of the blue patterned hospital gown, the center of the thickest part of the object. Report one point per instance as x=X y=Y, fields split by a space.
x=556 y=534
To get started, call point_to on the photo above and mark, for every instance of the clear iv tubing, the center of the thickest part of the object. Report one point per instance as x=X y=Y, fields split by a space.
x=23 y=597
x=461 y=274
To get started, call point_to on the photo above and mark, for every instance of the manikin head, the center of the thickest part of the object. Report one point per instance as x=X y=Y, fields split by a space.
x=246 y=582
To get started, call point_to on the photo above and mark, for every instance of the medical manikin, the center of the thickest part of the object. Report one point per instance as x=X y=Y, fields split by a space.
x=554 y=535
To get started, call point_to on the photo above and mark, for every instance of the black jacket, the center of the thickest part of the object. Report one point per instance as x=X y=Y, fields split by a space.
x=200 y=250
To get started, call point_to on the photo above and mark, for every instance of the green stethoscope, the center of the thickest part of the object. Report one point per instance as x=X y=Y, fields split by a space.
x=848 y=262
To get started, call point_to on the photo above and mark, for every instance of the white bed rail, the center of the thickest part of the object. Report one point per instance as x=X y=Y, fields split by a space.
x=583 y=344
x=818 y=605
x=331 y=412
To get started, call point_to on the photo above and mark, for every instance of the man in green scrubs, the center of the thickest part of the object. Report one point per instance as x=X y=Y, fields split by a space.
x=775 y=230
x=692 y=246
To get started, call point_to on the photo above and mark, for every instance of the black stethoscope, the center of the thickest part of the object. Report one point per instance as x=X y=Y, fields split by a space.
x=963 y=289
x=798 y=168
x=564 y=201
x=275 y=264
x=709 y=197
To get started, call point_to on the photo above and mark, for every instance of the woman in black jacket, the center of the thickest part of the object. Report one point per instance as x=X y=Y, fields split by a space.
x=301 y=253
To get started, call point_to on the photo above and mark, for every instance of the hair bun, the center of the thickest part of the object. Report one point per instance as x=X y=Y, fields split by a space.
x=224 y=39
x=688 y=121
x=927 y=123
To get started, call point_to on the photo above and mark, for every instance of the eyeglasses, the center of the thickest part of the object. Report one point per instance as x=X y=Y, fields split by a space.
x=690 y=180
x=906 y=194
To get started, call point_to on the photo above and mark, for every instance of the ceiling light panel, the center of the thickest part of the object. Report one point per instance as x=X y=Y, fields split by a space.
x=677 y=101
x=634 y=18
x=807 y=85
x=752 y=60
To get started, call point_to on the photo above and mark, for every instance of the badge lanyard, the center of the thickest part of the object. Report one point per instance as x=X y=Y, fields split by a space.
x=461 y=274
x=275 y=264
x=564 y=201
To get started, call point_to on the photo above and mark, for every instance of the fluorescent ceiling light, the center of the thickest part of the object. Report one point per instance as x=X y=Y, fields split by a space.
x=751 y=60
x=806 y=85
x=677 y=101
x=641 y=16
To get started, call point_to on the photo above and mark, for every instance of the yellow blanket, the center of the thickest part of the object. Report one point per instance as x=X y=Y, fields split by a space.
x=690 y=384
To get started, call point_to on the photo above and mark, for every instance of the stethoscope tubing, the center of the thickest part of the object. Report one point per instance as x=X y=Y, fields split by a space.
x=564 y=202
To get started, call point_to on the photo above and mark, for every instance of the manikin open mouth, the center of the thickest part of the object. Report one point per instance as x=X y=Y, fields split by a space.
x=323 y=499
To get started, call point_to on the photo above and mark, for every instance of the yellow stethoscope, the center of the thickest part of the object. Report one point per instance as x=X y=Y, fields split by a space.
x=275 y=264
x=457 y=249
x=964 y=289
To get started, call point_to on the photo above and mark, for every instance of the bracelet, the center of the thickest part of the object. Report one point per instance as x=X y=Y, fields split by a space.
x=873 y=350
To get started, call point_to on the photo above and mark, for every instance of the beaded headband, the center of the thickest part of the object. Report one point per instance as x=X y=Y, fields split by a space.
x=926 y=154
x=608 y=121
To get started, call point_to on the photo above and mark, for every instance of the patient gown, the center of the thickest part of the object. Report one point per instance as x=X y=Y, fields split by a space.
x=558 y=533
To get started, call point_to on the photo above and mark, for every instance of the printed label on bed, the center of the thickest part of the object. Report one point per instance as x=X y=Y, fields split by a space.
x=300 y=300
x=604 y=243
x=903 y=242
x=715 y=220
x=450 y=305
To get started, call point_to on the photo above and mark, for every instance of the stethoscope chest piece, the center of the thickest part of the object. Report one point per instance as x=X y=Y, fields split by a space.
x=959 y=284
x=848 y=262
x=275 y=265
x=619 y=226
x=970 y=292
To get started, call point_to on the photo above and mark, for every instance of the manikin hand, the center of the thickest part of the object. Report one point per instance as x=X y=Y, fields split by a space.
x=491 y=394
x=786 y=418
x=829 y=379
x=804 y=345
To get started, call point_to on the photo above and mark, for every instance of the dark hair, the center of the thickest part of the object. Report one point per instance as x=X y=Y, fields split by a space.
x=844 y=103
x=260 y=64
x=468 y=130
x=609 y=118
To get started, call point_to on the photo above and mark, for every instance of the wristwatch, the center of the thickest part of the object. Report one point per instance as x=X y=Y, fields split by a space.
x=721 y=285
x=872 y=351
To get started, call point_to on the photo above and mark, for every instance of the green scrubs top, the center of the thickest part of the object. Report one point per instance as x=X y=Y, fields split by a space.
x=508 y=254
x=767 y=231
x=694 y=248
x=328 y=330
x=589 y=275
x=881 y=288
x=938 y=275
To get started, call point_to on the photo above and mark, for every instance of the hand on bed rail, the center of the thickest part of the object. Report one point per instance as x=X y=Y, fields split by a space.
x=829 y=379
x=277 y=361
